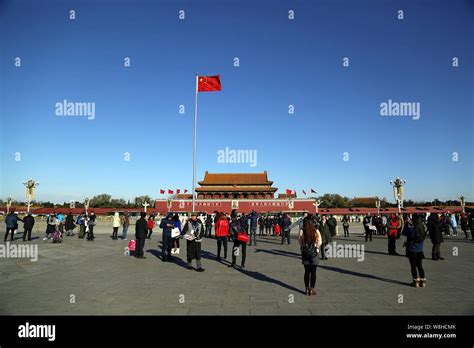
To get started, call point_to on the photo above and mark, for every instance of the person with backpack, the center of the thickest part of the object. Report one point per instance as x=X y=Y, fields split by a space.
x=310 y=241
x=28 y=223
x=222 y=233
x=151 y=225
x=415 y=231
x=240 y=238
x=69 y=224
x=193 y=231
x=50 y=225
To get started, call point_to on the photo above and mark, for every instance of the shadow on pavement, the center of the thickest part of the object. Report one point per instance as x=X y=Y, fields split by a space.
x=363 y=275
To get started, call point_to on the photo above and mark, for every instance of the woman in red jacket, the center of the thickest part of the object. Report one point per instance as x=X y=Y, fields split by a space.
x=222 y=233
x=150 y=225
x=392 y=235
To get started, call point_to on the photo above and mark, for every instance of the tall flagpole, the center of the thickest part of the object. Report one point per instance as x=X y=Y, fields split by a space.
x=195 y=134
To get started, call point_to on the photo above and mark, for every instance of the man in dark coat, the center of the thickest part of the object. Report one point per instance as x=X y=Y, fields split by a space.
x=28 y=223
x=141 y=231
x=471 y=224
x=285 y=228
x=436 y=236
x=332 y=223
x=167 y=225
x=326 y=237
x=11 y=221
x=253 y=227
x=193 y=231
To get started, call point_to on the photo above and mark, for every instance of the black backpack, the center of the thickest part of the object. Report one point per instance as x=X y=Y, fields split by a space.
x=309 y=251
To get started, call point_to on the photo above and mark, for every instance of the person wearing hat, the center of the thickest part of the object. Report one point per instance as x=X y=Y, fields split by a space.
x=167 y=224
x=193 y=232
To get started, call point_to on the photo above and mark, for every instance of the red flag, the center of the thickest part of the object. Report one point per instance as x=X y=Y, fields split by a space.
x=185 y=191
x=209 y=83
x=295 y=193
x=162 y=192
x=313 y=191
x=288 y=193
x=170 y=192
x=304 y=192
x=178 y=191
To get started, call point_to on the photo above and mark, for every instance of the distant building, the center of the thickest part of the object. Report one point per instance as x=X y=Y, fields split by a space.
x=236 y=186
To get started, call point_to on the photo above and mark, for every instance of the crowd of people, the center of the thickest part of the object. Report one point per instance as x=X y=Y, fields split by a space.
x=315 y=233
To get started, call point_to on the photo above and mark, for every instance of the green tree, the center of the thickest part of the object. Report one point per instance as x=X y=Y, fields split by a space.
x=102 y=200
x=141 y=199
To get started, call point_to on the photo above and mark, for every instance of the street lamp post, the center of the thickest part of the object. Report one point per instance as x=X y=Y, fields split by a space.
x=377 y=205
x=398 y=191
x=86 y=204
x=463 y=203
x=145 y=205
x=30 y=188
x=9 y=204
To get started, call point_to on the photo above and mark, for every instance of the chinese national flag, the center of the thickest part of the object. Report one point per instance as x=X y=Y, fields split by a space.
x=288 y=193
x=178 y=191
x=185 y=191
x=162 y=192
x=313 y=191
x=209 y=83
x=304 y=192
x=170 y=192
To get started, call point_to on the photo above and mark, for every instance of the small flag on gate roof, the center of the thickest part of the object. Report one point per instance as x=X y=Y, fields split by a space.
x=162 y=191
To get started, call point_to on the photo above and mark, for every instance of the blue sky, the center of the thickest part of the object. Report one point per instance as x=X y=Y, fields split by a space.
x=282 y=62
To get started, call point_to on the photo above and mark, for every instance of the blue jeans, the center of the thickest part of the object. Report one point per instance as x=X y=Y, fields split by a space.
x=124 y=232
x=455 y=232
x=253 y=235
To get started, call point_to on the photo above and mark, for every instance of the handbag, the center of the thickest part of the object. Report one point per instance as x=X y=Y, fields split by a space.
x=243 y=237
x=175 y=232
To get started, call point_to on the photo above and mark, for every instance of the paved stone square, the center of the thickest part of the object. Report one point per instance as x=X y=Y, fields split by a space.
x=104 y=281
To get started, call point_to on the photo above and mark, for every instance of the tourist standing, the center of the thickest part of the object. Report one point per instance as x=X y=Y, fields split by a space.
x=140 y=235
x=310 y=242
x=115 y=225
x=207 y=234
x=454 y=224
x=261 y=225
x=415 y=232
x=436 y=236
x=464 y=224
x=253 y=228
x=167 y=224
x=471 y=224
x=175 y=240
x=392 y=235
x=151 y=225
x=234 y=230
x=332 y=223
x=285 y=229
x=91 y=224
x=326 y=237
x=28 y=223
x=69 y=224
x=193 y=231
x=345 y=225
x=11 y=222
x=368 y=232
x=222 y=233
x=125 y=220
